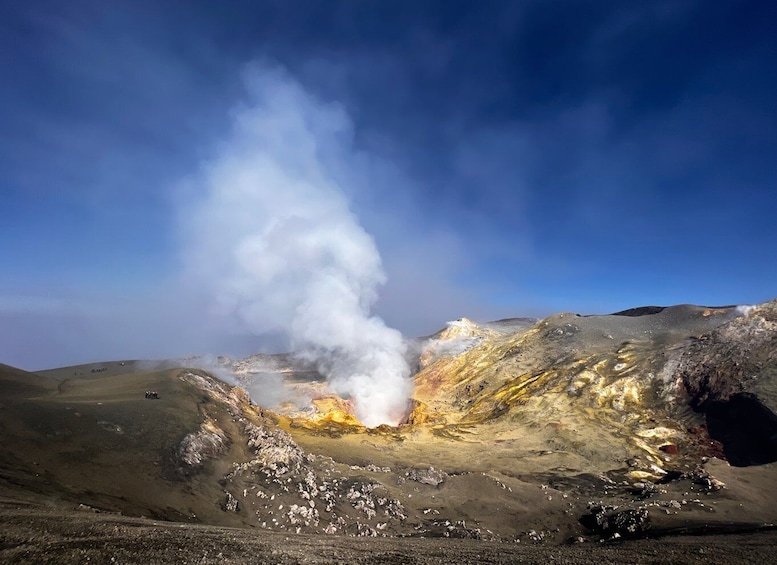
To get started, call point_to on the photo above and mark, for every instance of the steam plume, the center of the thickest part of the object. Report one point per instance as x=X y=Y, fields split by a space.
x=271 y=235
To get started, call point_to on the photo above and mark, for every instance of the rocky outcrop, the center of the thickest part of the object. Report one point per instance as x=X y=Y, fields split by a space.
x=730 y=375
x=458 y=337
x=289 y=489
x=290 y=366
x=615 y=523
x=431 y=476
x=208 y=442
x=738 y=357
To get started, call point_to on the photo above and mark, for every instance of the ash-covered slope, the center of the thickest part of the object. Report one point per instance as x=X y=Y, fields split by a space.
x=610 y=386
x=518 y=430
x=586 y=407
x=92 y=436
x=176 y=444
x=636 y=383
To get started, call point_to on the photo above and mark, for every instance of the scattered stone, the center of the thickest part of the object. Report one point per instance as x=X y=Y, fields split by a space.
x=375 y=469
x=231 y=504
x=430 y=476
x=536 y=536
x=645 y=489
x=608 y=521
x=702 y=478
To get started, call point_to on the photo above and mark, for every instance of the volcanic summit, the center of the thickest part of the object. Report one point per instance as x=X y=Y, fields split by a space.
x=654 y=421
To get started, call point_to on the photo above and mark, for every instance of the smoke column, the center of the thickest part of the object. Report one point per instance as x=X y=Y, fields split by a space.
x=269 y=233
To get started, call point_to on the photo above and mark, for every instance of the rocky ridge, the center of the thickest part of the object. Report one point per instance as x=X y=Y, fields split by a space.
x=280 y=485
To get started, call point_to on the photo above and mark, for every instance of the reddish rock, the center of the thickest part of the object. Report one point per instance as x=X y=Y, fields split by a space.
x=670 y=449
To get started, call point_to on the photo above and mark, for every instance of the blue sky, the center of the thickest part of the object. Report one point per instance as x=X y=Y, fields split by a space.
x=508 y=158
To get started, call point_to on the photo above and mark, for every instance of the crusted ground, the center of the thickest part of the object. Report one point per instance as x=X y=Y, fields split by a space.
x=573 y=430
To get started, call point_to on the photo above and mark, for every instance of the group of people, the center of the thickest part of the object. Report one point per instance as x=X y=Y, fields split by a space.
x=152 y=394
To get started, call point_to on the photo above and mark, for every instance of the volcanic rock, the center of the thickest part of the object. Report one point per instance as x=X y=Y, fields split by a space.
x=430 y=476
x=730 y=375
x=611 y=522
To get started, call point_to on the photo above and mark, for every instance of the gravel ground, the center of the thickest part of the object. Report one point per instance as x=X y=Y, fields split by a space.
x=54 y=536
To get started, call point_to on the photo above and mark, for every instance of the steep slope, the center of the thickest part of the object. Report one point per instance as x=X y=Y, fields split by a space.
x=731 y=376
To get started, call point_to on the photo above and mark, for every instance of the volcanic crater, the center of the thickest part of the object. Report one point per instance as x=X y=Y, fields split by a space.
x=650 y=423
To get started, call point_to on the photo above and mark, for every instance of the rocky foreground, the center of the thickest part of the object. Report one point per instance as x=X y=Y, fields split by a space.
x=53 y=536
x=566 y=436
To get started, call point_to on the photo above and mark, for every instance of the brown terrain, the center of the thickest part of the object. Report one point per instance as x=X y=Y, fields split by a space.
x=647 y=436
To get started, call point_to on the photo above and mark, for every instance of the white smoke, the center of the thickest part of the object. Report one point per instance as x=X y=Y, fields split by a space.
x=451 y=347
x=746 y=309
x=270 y=234
x=266 y=389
